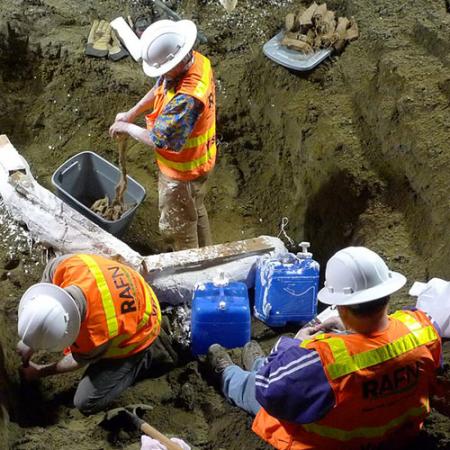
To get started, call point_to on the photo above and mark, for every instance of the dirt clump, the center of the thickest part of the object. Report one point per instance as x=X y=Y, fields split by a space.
x=115 y=209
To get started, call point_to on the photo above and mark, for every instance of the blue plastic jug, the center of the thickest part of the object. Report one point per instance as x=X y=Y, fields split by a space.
x=220 y=314
x=286 y=288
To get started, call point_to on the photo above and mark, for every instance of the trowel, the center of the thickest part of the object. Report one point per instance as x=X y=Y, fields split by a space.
x=129 y=417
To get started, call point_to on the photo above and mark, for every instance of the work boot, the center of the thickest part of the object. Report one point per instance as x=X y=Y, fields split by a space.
x=218 y=358
x=250 y=353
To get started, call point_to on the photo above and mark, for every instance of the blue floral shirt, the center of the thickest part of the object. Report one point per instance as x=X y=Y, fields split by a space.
x=176 y=121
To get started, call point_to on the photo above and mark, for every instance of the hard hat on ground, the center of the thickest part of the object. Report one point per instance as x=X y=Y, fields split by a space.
x=49 y=318
x=165 y=43
x=434 y=299
x=357 y=275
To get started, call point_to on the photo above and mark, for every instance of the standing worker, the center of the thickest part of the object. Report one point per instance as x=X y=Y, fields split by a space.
x=181 y=128
x=104 y=316
x=366 y=387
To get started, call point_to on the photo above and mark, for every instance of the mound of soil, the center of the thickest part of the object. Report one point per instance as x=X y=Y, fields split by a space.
x=354 y=153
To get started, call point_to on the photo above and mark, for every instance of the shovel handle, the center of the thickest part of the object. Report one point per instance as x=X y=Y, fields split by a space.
x=155 y=434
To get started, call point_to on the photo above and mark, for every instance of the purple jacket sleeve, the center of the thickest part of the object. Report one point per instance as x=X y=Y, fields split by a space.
x=292 y=385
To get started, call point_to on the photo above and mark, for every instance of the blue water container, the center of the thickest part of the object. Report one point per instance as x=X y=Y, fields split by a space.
x=220 y=314
x=286 y=288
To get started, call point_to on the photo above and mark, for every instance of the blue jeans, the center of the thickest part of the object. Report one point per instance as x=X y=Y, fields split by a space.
x=238 y=386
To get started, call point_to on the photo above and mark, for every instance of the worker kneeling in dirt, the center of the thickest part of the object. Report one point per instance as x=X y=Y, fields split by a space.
x=102 y=314
x=181 y=128
x=366 y=386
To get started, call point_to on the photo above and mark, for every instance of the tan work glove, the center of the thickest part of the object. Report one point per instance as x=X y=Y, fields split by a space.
x=115 y=49
x=99 y=39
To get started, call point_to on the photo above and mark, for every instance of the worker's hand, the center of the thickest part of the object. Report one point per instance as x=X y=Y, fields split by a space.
x=308 y=332
x=118 y=128
x=31 y=372
x=123 y=117
x=25 y=352
x=331 y=324
x=147 y=443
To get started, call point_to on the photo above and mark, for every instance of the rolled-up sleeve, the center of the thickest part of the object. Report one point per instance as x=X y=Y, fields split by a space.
x=176 y=122
x=292 y=386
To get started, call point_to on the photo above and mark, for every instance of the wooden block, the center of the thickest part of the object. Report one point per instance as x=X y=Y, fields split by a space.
x=353 y=31
x=296 y=36
x=318 y=42
x=326 y=28
x=319 y=13
x=342 y=26
x=295 y=44
x=340 y=33
x=310 y=36
x=329 y=22
x=298 y=16
x=291 y=22
x=305 y=19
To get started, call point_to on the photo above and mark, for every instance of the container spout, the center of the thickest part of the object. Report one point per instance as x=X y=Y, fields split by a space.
x=221 y=280
x=304 y=254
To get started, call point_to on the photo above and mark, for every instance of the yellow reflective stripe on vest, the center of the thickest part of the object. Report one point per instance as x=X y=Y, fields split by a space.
x=344 y=363
x=105 y=294
x=365 y=432
x=169 y=95
x=408 y=320
x=201 y=139
x=189 y=165
x=148 y=310
x=317 y=337
x=203 y=84
x=148 y=304
x=116 y=350
x=348 y=364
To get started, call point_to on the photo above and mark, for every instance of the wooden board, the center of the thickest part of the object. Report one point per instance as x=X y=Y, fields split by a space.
x=208 y=256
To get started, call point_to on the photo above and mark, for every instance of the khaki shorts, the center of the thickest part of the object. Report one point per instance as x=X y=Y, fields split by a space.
x=183 y=219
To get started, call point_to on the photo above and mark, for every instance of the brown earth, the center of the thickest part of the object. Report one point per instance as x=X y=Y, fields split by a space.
x=355 y=152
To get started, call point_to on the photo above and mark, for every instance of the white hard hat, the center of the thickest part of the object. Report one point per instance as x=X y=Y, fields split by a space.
x=434 y=299
x=49 y=318
x=357 y=275
x=165 y=43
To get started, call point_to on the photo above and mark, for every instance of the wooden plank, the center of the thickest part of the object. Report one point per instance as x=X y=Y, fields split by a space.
x=208 y=256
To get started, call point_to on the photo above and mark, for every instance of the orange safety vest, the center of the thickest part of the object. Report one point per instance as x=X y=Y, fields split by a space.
x=121 y=307
x=381 y=386
x=198 y=155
